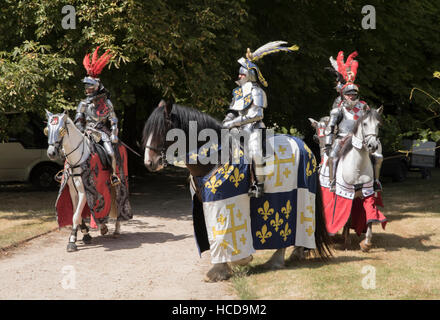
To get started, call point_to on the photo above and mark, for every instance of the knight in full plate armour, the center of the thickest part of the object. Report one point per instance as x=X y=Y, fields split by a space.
x=344 y=115
x=246 y=111
x=96 y=111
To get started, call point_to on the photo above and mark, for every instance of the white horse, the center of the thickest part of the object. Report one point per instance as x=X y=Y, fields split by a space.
x=62 y=133
x=355 y=166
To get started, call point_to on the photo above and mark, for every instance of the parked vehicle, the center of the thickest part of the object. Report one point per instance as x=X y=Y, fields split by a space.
x=420 y=159
x=23 y=156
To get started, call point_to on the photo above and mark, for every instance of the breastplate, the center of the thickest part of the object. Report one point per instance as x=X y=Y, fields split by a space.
x=98 y=110
x=349 y=118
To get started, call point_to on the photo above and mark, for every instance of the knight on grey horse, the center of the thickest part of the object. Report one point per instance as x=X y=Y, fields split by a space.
x=344 y=116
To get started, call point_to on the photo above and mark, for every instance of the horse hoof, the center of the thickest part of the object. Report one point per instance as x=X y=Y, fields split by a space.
x=365 y=247
x=71 y=247
x=104 y=230
x=219 y=272
x=87 y=239
x=243 y=262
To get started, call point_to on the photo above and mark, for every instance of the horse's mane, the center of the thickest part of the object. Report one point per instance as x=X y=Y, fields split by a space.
x=347 y=144
x=180 y=116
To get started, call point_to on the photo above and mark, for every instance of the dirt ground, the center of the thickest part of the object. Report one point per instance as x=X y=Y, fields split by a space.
x=155 y=257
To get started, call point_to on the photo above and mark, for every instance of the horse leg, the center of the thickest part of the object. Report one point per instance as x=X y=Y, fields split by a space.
x=71 y=246
x=366 y=243
x=219 y=272
x=346 y=234
x=87 y=238
x=103 y=228
x=276 y=261
x=79 y=187
x=117 y=228
x=298 y=254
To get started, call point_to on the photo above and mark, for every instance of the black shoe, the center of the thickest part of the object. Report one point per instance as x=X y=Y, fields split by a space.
x=256 y=190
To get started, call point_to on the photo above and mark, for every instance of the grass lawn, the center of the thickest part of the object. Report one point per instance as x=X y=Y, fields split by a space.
x=24 y=215
x=404 y=262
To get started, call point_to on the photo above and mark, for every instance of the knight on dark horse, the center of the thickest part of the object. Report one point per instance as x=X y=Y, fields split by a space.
x=95 y=111
x=246 y=111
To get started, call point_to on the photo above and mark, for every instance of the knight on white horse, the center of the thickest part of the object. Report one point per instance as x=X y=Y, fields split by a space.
x=344 y=116
x=93 y=113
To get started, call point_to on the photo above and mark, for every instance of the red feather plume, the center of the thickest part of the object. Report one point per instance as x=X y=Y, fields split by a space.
x=95 y=67
x=350 y=65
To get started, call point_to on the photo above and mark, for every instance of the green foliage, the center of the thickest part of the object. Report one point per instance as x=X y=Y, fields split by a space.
x=187 y=50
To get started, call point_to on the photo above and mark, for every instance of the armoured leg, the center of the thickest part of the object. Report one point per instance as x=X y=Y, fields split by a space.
x=256 y=152
x=332 y=164
x=109 y=149
x=377 y=164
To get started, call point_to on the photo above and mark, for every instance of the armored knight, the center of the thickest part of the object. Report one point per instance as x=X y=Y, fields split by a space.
x=339 y=82
x=95 y=112
x=343 y=117
x=246 y=111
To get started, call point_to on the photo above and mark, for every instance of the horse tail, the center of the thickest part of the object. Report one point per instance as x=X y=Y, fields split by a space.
x=322 y=237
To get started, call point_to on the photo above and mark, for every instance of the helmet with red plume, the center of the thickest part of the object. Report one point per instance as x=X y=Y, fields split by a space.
x=94 y=68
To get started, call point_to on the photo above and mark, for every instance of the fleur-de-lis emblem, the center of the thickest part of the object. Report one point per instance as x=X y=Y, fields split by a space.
x=287 y=209
x=286 y=232
x=236 y=177
x=213 y=184
x=204 y=152
x=276 y=222
x=226 y=170
x=310 y=171
x=265 y=211
x=263 y=234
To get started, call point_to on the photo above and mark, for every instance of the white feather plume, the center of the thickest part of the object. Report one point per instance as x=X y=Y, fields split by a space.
x=334 y=63
x=268 y=46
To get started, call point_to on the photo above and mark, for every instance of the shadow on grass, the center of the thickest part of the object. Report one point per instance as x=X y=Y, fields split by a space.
x=387 y=242
x=310 y=263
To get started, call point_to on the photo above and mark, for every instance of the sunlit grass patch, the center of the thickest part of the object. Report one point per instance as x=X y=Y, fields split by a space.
x=404 y=261
x=24 y=215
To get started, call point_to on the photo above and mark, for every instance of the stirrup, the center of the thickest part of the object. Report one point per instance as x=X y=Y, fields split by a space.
x=59 y=176
x=256 y=190
x=333 y=186
x=377 y=186
x=114 y=179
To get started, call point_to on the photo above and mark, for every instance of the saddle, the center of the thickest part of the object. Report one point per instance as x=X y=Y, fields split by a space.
x=103 y=156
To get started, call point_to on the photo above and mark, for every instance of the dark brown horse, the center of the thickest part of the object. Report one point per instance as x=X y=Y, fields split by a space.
x=168 y=116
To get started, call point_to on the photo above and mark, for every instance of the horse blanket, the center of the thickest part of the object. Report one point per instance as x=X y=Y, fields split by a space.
x=98 y=190
x=232 y=225
x=340 y=205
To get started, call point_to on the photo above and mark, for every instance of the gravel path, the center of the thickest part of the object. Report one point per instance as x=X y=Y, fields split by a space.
x=155 y=257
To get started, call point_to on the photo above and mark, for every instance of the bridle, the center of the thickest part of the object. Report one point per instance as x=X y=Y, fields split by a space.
x=365 y=137
x=57 y=144
x=162 y=149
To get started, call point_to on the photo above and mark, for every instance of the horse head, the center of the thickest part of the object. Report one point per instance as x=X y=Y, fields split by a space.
x=154 y=136
x=366 y=130
x=320 y=127
x=55 y=131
